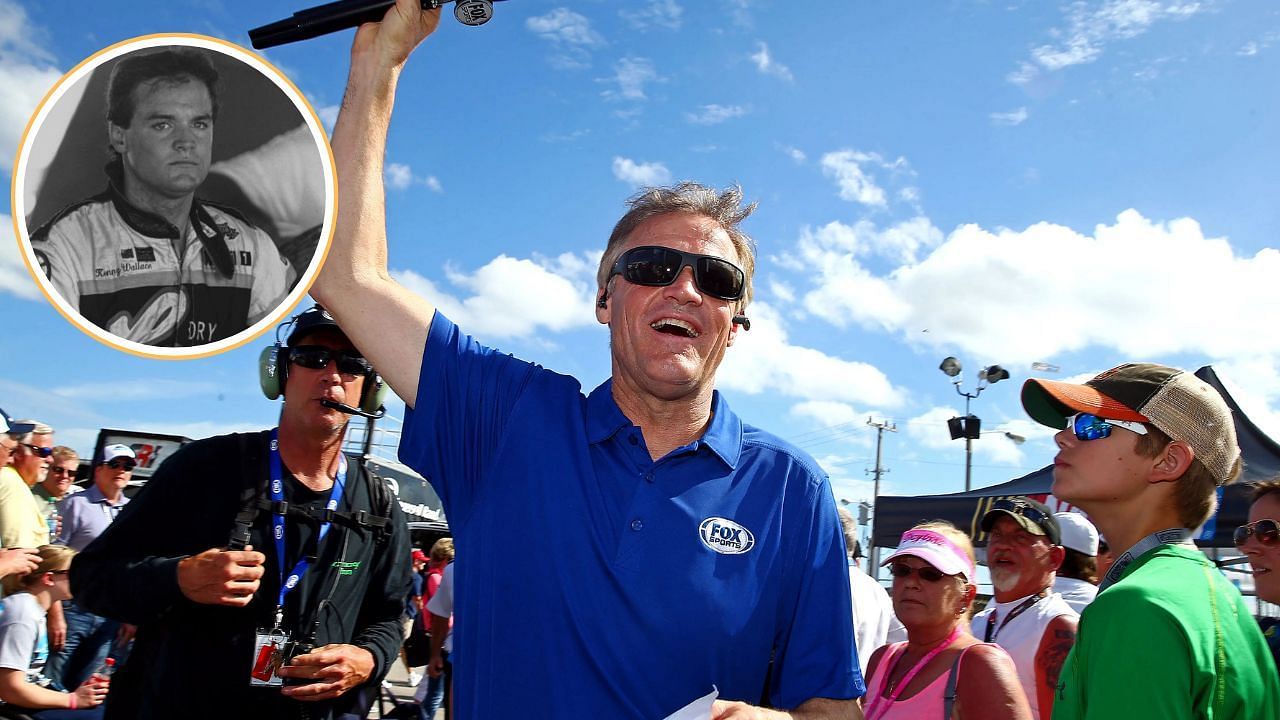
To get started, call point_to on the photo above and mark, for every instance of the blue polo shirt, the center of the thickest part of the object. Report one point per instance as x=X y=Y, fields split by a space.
x=592 y=581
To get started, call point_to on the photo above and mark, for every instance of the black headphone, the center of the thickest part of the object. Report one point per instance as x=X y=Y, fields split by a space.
x=273 y=363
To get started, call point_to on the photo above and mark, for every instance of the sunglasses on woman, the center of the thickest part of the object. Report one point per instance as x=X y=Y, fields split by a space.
x=655 y=266
x=1267 y=531
x=317 y=357
x=1088 y=426
x=928 y=573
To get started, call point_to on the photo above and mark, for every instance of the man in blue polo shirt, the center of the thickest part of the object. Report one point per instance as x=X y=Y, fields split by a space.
x=691 y=550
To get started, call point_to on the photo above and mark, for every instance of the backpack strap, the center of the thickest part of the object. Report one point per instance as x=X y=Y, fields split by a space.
x=253 y=500
x=949 y=695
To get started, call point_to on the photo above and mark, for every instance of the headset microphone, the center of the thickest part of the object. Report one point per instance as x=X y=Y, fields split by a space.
x=340 y=407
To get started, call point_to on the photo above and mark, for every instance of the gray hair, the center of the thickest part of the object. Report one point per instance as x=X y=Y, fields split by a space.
x=725 y=208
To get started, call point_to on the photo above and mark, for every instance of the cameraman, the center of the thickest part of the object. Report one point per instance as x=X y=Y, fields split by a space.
x=217 y=635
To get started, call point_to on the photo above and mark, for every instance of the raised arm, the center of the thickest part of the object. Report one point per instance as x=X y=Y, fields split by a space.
x=386 y=321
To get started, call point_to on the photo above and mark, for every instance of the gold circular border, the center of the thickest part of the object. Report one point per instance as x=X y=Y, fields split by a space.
x=268 y=70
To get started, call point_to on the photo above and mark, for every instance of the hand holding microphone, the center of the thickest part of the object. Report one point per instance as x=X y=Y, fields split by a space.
x=335 y=16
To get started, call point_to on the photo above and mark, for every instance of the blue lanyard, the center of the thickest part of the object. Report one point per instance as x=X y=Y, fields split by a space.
x=277 y=520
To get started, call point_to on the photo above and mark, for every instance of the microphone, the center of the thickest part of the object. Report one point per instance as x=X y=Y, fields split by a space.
x=340 y=407
x=332 y=17
x=742 y=320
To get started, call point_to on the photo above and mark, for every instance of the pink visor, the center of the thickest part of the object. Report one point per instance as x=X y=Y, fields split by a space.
x=935 y=549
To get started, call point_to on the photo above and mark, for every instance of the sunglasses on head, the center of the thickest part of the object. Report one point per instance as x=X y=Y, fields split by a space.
x=38 y=451
x=1267 y=531
x=317 y=357
x=1088 y=426
x=1018 y=507
x=655 y=266
x=118 y=463
x=928 y=573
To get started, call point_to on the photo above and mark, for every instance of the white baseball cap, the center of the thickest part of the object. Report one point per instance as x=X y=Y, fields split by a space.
x=1078 y=533
x=111 y=452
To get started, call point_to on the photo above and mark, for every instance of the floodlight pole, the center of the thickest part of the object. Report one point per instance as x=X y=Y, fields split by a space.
x=968 y=441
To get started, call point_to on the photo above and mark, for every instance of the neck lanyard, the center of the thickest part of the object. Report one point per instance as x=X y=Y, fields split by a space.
x=992 y=631
x=1172 y=536
x=277 y=521
x=880 y=704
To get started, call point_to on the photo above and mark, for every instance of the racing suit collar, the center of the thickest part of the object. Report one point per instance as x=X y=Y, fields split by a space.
x=211 y=236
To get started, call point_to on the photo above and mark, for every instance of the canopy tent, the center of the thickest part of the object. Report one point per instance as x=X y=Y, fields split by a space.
x=895 y=514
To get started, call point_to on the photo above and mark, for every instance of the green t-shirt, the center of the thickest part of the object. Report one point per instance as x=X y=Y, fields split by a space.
x=1171 y=639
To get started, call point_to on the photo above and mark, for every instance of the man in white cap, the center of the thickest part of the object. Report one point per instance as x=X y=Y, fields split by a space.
x=1077 y=580
x=1142 y=449
x=85 y=515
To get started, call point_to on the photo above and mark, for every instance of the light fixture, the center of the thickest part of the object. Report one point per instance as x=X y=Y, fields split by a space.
x=950 y=366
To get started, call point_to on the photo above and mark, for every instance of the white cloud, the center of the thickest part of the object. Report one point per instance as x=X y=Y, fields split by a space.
x=400 y=177
x=496 y=304
x=570 y=36
x=666 y=14
x=1142 y=288
x=328 y=116
x=1009 y=119
x=763 y=359
x=715 y=114
x=14 y=278
x=1249 y=49
x=853 y=171
x=766 y=64
x=640 y=174
x=631 y=74
x=563 y=26
x=1090 y=28
x=27 y=72
x=825 y=413
x=795 y=154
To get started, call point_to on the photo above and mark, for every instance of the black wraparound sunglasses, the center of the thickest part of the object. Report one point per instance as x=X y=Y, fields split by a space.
x=656 y=266
x=317 y=357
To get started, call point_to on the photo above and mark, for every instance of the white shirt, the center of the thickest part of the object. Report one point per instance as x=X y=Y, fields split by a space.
x=873 y=615
x=1020 y=637
x=1077 y=593
x=442 y=604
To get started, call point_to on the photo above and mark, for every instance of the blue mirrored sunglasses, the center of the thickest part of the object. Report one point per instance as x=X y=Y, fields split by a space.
x=1088 y=426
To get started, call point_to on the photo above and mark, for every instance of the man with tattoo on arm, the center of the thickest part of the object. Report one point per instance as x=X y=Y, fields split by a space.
x=1026 y=617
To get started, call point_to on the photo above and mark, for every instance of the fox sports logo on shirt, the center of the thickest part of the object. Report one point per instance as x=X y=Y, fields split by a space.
x=725 y=536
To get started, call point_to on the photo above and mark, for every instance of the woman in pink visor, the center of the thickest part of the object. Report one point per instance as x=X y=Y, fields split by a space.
x=941 y=671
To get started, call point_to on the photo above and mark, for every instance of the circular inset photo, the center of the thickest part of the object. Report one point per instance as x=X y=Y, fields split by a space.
x=174 y=195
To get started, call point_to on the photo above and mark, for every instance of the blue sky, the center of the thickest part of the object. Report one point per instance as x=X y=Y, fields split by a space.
x=1078 y=184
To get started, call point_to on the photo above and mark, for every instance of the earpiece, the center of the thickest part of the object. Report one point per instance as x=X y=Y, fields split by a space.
x=603 y=302
x=742 y=320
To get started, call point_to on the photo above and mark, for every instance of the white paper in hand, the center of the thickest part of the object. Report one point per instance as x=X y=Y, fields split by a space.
x=699 y=709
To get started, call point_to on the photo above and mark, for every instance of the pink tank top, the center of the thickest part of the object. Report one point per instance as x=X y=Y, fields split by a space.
x=924 y=705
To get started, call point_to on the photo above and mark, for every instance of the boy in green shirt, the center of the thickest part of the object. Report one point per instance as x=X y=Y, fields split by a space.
x=1143 y=450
